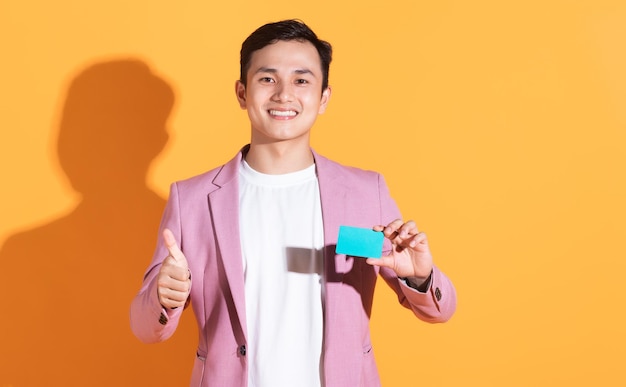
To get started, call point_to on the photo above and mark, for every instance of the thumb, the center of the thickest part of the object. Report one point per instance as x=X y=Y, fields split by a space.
x=172 y=246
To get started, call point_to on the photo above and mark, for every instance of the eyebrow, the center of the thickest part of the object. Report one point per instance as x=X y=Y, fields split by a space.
x=274 y=71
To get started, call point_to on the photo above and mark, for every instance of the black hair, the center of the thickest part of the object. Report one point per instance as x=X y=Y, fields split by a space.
x=284 y=30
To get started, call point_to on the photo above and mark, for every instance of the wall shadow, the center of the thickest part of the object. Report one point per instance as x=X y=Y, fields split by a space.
x=67 y=286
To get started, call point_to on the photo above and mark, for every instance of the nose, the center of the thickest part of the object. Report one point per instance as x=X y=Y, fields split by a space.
x=283 y=93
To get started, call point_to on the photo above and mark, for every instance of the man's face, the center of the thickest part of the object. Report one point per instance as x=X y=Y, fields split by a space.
x=284 y=94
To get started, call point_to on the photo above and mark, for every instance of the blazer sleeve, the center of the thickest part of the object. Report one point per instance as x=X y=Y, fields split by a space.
x=438 y=303
x=150 y=321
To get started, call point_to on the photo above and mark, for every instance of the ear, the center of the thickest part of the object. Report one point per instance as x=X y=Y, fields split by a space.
x=240 y=91
x=325 y=98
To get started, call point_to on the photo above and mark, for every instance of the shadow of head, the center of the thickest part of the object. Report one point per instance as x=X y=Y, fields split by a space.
x=304 y=260
x=81 y=270
x=113 y=124
x=352 y=275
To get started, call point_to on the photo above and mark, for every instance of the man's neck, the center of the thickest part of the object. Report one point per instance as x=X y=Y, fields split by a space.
x=279 y=158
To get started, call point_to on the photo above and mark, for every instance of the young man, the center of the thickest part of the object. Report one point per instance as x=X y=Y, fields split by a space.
x=251 y=244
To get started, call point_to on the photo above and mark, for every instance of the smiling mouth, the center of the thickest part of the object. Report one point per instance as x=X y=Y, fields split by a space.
x=283 y=113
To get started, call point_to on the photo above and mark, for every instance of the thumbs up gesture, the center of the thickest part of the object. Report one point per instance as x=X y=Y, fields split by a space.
x=174 y=278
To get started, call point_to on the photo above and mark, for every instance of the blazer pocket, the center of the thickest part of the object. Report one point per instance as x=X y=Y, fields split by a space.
x=197 y=375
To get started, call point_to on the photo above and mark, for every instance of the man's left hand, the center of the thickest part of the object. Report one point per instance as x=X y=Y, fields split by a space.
x=410 y=256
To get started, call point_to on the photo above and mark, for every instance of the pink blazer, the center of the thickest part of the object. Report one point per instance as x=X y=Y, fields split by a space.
x=202 y=212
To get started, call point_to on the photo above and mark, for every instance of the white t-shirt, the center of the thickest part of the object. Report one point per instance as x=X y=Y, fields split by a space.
x=282 y=244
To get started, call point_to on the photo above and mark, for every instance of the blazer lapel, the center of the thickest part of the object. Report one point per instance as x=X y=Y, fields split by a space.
x=224 y=208
x=333 y=194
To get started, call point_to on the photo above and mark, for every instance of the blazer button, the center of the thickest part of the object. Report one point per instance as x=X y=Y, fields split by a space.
x=162 y=319
x=242 y=350
x=438 y=294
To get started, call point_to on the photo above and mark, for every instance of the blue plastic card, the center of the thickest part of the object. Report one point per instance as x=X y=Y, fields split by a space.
x=360 y=242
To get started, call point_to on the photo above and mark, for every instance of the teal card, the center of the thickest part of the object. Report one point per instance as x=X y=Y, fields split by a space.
x=360 y=242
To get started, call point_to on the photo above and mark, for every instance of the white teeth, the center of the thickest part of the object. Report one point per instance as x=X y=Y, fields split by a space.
x=281 y=113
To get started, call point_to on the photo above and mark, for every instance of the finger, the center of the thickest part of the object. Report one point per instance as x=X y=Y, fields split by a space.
x=175 y=269
x=398 y=233
x=172 y=246
x=174 y=289
x=419 y=239
x=407 y=230
x=392 y=228
x=173 y=300
x=382 y=261
x=412 y=240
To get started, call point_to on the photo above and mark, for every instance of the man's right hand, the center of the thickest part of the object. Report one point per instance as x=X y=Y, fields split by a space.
x=174 y=278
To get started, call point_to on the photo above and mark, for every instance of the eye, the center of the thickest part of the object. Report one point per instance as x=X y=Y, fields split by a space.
x=266 y=80
x=301 y=81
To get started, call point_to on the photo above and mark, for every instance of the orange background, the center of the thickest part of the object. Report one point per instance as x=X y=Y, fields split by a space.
x=500 y=127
